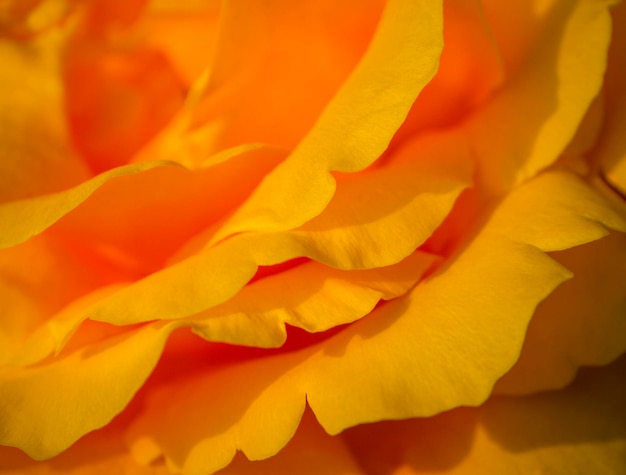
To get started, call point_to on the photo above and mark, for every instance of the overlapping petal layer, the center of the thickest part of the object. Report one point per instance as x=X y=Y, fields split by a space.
x=429 y=348
x=545 y=100
x=580 y=429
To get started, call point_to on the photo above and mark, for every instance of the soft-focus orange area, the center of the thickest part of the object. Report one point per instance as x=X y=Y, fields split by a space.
x=185 y=31
x=278 y=64
x=117 y=99
x=102 y=16
x=470 y=69
x=515 y=26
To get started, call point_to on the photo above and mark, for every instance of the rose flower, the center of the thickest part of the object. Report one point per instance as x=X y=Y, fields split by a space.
x=278 y=236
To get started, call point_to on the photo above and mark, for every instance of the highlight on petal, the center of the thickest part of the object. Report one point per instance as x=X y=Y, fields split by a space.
x=356 y=126
x=554 y=88
x=46 y=408
x=580 y=429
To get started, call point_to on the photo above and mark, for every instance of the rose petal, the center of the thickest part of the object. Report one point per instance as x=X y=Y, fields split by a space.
x=581 y=323
x=554 y=88
x=310 y=452
x=356 y=126
x=44 y=409
x=581 y=429
x=407 y=358
x=558 y=201
x=441 y=347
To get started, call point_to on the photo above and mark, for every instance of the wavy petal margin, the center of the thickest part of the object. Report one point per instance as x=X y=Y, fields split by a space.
x=441 y=347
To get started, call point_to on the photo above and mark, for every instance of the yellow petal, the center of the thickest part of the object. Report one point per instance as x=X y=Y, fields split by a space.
x=442 y=346
x=101 y=452
x=356 y=126
x=539 y=212
x=581 y=323
x=310 y=452
x=581 y=429
x=46 y=408
x=610 y=152
x=561 y=75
